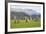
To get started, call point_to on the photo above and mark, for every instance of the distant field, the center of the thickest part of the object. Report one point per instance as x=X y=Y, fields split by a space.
x=25 y=24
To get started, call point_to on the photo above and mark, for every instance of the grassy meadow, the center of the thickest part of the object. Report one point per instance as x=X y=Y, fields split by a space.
x=25 y=23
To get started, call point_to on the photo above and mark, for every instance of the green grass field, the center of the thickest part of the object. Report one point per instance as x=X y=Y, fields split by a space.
x=24 y=24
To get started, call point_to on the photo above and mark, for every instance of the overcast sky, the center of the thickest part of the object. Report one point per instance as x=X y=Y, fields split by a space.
x=21 y=7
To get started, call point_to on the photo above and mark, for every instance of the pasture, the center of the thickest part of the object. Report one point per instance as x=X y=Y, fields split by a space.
x=25 y=24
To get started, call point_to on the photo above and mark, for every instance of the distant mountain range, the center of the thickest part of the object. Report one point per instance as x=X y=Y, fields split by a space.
x=27 y=13
x=19 y=14
x=31 y=12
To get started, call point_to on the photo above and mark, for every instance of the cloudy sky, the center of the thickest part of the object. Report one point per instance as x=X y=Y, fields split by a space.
x=23 y=7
